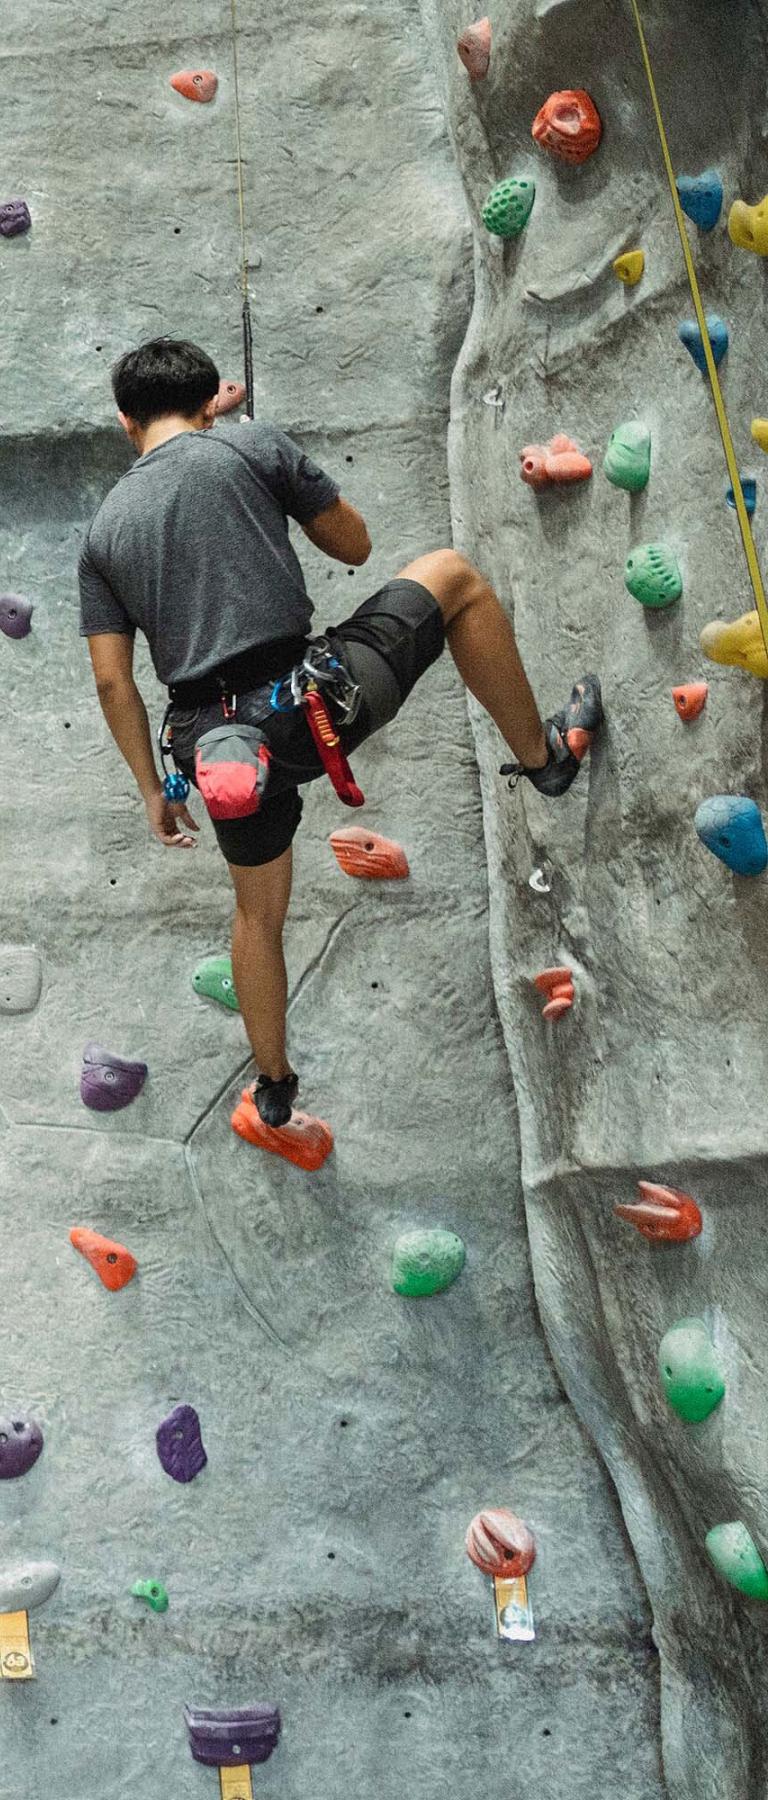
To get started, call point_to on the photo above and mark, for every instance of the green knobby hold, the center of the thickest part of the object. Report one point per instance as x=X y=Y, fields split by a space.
x=426 y=1262
x=652 y=575
x=690 y=1371
x=628 y=457
x=736 y=1556
x=153 y=1592
x=509 y=206
x=213 y=977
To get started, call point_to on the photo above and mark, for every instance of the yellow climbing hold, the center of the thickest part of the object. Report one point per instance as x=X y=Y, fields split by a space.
x=738 y=643
x=759 y=429
x=629 y=267
x=748 y=226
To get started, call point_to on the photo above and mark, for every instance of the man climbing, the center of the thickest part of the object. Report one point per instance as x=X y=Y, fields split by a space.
x=192 y=548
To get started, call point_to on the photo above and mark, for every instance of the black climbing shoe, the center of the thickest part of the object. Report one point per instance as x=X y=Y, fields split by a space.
x=274 y=1099
x=569 y=736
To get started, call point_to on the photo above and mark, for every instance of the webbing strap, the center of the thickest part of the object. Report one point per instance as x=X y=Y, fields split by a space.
x=742 y=515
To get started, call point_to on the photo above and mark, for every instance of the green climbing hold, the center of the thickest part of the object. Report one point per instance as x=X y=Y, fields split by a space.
x=509 y=206
x=652 y=575
x=426 y=1262
x=153 y=1592
x=213 y=977
x=690 y=1371
x=628 y=457
x=736 y=1556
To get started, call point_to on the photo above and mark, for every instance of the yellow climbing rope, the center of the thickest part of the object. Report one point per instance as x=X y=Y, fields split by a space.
x=742 y=515
x=247 y=322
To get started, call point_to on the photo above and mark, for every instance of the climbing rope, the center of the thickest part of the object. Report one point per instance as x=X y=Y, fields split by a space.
x=742 y=515
x=247 y=322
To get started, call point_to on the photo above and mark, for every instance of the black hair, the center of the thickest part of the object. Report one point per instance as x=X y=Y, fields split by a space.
x=165 y=375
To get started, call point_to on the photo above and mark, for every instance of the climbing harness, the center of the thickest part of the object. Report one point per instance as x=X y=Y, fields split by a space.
x=246 y=311
x=742 y=514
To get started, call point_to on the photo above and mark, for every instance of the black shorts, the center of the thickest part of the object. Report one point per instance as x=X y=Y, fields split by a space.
x=388 y=644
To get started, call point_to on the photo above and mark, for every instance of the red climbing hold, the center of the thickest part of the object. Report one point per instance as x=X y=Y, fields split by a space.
x=569 y=125
x=304 y=1141
x=474 y=47
x=690 y=699
x=500 y=1544
x=559 y=460
x=662 y=1214
x=369 y=856
x=114 y=1265
x=557 y=984
x=195 y=84
x=230 y=395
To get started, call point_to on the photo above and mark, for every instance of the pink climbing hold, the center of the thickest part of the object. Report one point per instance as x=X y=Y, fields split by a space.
x=559 y=460
x=230 y=395
x=196 y=84
x=557 y=984
x=500 y=1544
x=690 y=699
x=368 y=855
x=474 y=47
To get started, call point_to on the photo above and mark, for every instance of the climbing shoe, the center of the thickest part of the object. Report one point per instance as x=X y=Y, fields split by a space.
x=569 y=736
x=274 y=1099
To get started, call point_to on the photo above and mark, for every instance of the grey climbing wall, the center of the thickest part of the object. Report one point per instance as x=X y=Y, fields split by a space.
x=658 y=1071
x=318 y=1560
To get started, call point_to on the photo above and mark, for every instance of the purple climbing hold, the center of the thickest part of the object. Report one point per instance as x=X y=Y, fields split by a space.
x=15 y=218
x=15 y=615
x=21 y=1441
x=231 y=1738
x=180 y=1445
x=109 y=1082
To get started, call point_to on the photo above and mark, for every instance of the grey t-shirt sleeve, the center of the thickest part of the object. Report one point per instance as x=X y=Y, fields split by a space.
x=100 y=609
x=301 y=486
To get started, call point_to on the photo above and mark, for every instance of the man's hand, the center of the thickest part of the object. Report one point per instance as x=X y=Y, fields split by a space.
x=165 y=816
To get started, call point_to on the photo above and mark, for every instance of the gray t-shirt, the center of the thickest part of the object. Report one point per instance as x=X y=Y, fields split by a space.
x=191 y=547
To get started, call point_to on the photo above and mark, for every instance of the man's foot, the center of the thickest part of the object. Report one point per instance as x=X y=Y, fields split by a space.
x=274 y=1099
x=569 y=735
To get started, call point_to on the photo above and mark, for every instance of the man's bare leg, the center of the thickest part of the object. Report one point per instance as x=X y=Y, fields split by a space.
x=258 y=963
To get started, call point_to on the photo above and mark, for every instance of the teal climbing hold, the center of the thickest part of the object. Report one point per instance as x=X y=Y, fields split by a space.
x=690 y=335
x=153 y=1592
x=509 y=205
x=701 y=197
x=734 y=1553
x=213 y=977
x=652 y=575
x=690 y=1371
x=749 y=491
x=628 y=457
x=731 y=826
x=426 y=1261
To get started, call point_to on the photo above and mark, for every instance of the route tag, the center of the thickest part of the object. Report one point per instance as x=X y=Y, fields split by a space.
x=16 y=1660
x=236 y=1783
x=514 y=1613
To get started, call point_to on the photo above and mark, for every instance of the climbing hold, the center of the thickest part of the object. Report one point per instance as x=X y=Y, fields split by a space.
x=180 y=1444
x=368 y=856
x=153 y=1592
x=559 y=460
x=557 y=984
x=652 y=575
x=499 y=1543
x=232 y=1737
x=195 y=84
x=628 y=457
x=230 y=395
x=539 y=881
x=738 y=642
x=701 y=197
x=568 y=124
x=749 y=491
x=734 y=1553
x=731 y=827
x=690 y=335
x=304 y=1141
x=508 y=207
x=15 y=218
x=214 y=979
x=630 y=267
x=15 y=615
x=474 y=47
x=426 y=1261
x=21 y=978
x=109 y=1082
x=748 y=226
x=662 y=1214
x=759 y=430
x=690 y=699
x=21 y=1442
x=23 y=1586
x=114 y=1265
x=690 y=1371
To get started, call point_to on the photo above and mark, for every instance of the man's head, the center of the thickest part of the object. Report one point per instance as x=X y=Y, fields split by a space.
x=166 y=380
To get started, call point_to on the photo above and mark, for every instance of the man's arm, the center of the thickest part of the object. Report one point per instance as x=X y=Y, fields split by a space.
x=340 y=531
x=126 y=716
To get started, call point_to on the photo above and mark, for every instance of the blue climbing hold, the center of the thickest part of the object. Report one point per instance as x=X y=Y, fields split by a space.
x=749 y=490
x=690 y=336
x=731 y=827
x=701 y=197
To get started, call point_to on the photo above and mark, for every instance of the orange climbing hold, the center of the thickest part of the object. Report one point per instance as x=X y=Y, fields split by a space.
x=368 y=856
x=559 y=460
x=114 y=1265
x=230 y=395
x=195 y=84
x=662 y=1214
x=569 y=125
x=304 y=1141
x=474 y=47
x=557 y=984
x=690 y=699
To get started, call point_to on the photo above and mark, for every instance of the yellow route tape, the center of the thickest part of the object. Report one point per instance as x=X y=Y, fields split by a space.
x=742 y=515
